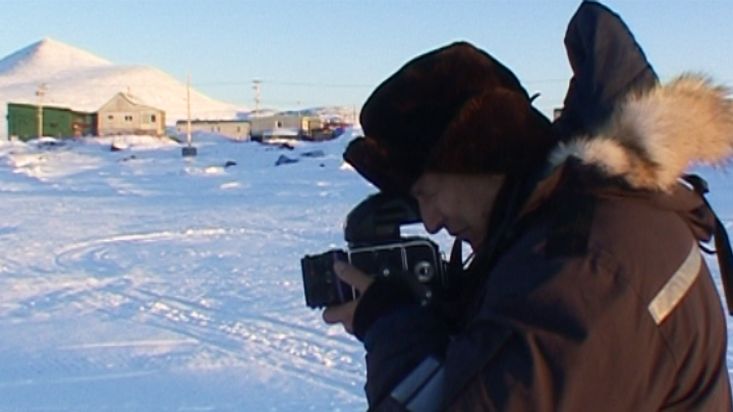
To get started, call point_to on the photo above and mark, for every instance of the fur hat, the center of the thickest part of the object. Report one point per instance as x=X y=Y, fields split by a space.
x=455 y=110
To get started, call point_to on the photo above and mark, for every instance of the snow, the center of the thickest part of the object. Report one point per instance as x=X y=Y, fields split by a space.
x=139 y=280
x=48 y=56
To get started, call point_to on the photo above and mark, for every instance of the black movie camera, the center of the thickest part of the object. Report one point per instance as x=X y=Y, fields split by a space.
x=375 y=246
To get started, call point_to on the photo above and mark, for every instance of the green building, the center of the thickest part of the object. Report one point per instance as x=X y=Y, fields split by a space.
x=58 y=122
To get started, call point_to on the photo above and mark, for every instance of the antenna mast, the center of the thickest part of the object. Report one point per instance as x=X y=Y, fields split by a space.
x=40 y=92
x=256 y=86
x=188 y=110
x=188 y=151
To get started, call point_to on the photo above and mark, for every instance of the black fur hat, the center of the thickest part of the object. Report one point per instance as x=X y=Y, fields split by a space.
x=455 y=109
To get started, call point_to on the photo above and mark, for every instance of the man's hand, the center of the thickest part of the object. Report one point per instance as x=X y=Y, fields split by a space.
x=344 y=314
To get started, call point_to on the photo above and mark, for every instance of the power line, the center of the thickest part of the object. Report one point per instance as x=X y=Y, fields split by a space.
x=285 y=83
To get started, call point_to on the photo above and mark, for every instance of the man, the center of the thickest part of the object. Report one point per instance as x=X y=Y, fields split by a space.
x=586 y=290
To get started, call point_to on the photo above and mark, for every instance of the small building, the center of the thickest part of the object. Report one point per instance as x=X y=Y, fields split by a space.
x=83 y=123
x=233 y=129
x=60 y=122
x=280 y=133
x=305 y=125
x=124 y=114
x=331 y=128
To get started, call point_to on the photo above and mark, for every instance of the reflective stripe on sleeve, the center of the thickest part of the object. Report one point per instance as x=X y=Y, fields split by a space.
x=676 y=287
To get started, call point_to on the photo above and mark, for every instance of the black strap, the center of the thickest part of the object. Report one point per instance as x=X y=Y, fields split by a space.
x=725 y=261
x=722 y=242
x=455 y=264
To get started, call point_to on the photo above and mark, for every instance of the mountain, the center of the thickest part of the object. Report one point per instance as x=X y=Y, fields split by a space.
x=47 y=57
x=82 y=81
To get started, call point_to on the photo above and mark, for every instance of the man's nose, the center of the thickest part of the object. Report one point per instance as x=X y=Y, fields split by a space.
x=431 y=219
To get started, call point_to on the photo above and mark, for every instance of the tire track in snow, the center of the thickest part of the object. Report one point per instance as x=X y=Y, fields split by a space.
x=269 y=342
x=99 y=254
x=76 y=252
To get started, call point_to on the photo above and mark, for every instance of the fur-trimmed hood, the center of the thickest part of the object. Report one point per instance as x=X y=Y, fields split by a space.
x=653 y=136
x=619 y=118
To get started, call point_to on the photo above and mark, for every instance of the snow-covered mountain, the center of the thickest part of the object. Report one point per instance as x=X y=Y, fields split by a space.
x=47 y=57
x=82 y=81
x=345 y=114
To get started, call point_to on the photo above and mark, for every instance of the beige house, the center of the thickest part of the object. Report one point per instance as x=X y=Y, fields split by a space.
x=233 y=129
x=302 y=124
x=123 y=114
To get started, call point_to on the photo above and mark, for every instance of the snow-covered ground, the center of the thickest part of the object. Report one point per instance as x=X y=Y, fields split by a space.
x=137 y=280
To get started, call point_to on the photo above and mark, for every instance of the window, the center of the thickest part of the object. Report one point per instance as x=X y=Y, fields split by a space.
x=110 y=117
x=152 y=118
x=279 y=123
x=128 y=118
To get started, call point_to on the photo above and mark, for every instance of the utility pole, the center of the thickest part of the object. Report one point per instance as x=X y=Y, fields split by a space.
x=188 y=110
x=256 y=86
x=188 y=151
x=40 y=92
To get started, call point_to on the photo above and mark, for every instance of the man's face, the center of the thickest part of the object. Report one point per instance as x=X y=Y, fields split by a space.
x=459 y=203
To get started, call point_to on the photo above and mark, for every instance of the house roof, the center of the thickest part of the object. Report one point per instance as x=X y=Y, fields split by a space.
x=126 y=101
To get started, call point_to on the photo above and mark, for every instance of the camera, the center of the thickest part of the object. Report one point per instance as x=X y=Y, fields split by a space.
x=376 y=247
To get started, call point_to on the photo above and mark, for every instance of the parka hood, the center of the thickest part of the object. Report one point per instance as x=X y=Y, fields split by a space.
x=619 y=118
x=654 y=136
x=607 y=63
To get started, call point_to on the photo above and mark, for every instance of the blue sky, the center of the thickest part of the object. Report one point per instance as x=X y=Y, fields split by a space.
x=318 y=52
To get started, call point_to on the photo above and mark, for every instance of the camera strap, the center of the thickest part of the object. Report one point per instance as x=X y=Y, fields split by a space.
x=722 y=242
x=455 y=264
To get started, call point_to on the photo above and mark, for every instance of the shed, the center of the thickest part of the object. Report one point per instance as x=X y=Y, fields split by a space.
x=233 y=129
x=57 y=121
x=304 y=124
x=125 y=114
x=280 y=133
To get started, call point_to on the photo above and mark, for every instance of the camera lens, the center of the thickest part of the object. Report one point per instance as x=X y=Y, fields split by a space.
x=424 y=271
